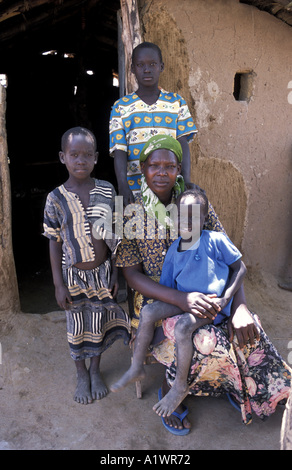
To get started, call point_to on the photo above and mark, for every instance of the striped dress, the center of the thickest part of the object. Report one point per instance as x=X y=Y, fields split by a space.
x=95 y=320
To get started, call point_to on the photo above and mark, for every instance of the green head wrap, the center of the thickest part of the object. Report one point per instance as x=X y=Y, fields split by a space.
x=161 y=141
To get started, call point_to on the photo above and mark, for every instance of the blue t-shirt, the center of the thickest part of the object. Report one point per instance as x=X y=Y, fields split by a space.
x=202 y=268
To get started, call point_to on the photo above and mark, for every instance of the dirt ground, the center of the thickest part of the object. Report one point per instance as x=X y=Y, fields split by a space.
x=37 y=381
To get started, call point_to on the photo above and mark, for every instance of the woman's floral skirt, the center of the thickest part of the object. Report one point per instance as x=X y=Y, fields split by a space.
x=256 y=377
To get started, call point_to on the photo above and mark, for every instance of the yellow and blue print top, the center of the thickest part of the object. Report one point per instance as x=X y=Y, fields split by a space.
x=133 y=122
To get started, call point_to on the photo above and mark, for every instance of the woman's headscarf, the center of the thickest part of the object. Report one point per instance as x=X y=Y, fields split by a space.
x=161 y=141
x=151 y=202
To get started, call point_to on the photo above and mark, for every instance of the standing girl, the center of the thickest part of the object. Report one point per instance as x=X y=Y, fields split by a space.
x=148 y=111
x=82 y=262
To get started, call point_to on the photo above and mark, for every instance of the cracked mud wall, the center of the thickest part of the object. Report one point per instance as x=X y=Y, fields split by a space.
x=242 y=154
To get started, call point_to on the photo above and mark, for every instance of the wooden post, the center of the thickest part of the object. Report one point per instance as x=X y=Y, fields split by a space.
x=121 y=56
x=131 y=37
x=9 y=296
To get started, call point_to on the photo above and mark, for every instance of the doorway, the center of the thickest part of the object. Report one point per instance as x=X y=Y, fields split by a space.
x=60 y=74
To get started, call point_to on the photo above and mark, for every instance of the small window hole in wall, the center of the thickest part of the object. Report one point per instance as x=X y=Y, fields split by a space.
x=243 y=85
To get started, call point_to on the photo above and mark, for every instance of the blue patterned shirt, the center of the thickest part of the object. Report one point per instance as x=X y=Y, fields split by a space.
x=133 y=122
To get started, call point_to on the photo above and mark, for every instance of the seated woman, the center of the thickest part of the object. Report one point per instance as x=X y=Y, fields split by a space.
x=234 y=357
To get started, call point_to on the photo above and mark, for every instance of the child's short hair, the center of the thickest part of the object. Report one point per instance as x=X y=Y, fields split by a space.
x=76 y=131
x=196 y=193
x=146 y=45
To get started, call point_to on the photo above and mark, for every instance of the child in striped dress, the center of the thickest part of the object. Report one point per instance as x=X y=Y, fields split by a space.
x=83 y=261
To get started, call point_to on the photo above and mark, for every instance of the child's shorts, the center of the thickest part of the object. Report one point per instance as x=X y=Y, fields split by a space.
x=95 y=320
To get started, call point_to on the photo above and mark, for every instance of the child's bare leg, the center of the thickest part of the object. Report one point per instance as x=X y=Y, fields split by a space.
x=82 y=393
x=98 y=388
x=183 y=331
x=149 y=315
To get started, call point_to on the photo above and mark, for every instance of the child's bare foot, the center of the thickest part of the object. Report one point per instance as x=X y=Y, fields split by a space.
x=131 y=375
x=173 y=420
x=82 y=393
x=168 y=404
x=98 y=388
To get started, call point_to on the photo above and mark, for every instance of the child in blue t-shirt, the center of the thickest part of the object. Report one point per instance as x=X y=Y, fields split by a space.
x=201 y=260
x=198 y=261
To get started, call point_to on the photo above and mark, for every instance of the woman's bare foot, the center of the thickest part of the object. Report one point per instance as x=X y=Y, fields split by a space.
x=175 y=422
x=82 y=393
x=131 y=375
x=168 y=404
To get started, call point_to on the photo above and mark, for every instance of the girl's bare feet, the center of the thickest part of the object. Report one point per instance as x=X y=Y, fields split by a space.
x=82 y=393
x=90 y=385
x=98 y=388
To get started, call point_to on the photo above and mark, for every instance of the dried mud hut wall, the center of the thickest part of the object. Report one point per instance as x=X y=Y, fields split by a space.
x=231 y=62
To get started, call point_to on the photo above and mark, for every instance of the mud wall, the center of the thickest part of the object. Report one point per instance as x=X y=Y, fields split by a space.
x=231 y=62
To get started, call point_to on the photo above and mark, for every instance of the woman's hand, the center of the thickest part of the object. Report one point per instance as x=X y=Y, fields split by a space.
x=242 y=324
x=201 y=305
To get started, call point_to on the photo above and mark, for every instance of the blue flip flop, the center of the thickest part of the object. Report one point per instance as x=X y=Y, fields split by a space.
x=177 y=432
x=233 y=402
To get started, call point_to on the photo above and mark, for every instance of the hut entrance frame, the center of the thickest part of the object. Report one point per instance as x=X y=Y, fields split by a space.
x=50 y=90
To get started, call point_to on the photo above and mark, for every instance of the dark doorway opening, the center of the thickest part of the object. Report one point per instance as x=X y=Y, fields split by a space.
x=60 y=74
